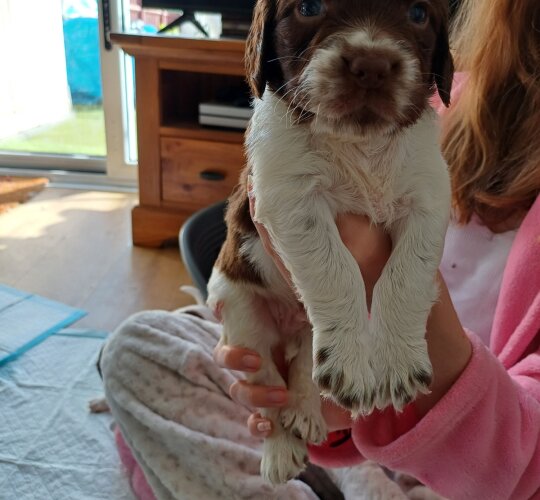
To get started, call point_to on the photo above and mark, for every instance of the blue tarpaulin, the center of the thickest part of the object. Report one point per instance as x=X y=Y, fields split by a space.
x=81 y=40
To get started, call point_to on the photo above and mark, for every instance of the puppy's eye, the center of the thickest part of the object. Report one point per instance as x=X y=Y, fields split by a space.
x=310 y=8
x=418 y=13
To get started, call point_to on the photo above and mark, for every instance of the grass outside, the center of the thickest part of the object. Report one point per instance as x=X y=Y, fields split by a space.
x=82 y=134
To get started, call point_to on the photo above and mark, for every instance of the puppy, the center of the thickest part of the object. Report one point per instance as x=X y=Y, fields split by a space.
x=341 y=124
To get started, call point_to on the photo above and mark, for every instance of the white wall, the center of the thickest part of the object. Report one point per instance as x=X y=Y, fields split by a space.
x=33 y=81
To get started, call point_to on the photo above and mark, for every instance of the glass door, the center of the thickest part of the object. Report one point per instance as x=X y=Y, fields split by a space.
x=118 y=80
x=67 y=96
x=65 y=93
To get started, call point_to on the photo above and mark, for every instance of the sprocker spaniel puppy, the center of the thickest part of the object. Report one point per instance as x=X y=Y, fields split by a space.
x=342 y=123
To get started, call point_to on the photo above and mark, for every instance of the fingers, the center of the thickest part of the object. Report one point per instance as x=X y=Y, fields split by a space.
x=236 y=358
x=368 y=243
x=258 y=426
x=258 y=396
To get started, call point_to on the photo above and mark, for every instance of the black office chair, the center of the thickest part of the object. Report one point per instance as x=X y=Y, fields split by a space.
x=201 y=238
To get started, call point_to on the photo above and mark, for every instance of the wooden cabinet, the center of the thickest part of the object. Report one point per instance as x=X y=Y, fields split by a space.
x=198 y=173
x=182 y=166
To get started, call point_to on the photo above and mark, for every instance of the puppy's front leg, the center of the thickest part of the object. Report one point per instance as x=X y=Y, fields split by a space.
x=328 y=280
x=402 y=300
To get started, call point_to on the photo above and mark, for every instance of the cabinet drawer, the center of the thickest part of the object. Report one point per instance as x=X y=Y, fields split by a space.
x=199 y=173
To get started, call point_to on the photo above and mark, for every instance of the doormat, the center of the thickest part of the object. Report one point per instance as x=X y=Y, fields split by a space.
x=26 y=320
x=16 y=190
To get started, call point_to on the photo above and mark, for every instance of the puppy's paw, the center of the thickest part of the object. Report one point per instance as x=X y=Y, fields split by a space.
x=403 y=371
x=304 y=420
x=98 y=405
x=284 y=457
x=343 y=370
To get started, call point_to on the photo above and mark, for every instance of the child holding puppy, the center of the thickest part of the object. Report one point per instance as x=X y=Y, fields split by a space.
x=477 y=434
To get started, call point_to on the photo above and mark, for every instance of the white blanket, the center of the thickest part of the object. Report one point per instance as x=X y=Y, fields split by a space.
x=171 y=402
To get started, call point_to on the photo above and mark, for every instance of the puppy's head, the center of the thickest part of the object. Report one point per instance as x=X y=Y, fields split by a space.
x=352 y=66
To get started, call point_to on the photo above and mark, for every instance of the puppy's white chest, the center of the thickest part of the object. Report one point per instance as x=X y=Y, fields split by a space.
x=367 y=183
x=378 y=199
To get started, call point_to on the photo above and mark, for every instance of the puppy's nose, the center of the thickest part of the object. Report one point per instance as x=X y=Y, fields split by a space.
x=370 y=71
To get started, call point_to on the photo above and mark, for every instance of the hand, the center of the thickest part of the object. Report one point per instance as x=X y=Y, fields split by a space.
x=449 y=349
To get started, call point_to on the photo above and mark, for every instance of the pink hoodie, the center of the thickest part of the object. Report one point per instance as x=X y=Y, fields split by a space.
x=481 y=440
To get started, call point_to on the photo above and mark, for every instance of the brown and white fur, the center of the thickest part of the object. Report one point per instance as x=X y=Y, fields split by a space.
x=341 y=124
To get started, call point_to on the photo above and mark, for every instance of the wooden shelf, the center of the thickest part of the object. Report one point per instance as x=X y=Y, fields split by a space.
x=183 y=166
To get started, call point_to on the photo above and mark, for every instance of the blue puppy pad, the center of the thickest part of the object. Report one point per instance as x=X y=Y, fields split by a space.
x=27 y=319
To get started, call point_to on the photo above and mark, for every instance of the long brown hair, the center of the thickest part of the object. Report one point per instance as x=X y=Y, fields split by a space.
x=491 y=136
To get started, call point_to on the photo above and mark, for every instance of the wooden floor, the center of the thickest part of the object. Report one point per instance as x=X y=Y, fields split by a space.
x=75 y=247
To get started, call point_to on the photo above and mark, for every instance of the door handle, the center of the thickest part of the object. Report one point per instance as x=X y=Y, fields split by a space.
x=210 y=175
x=106 y=20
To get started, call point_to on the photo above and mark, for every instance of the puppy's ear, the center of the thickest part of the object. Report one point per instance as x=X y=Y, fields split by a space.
x=259 y=46
x=442 y=66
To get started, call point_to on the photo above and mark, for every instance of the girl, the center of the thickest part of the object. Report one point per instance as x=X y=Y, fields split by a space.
x=476 y=435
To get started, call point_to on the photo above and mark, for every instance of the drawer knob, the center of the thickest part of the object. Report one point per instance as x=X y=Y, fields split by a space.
x=211 y=175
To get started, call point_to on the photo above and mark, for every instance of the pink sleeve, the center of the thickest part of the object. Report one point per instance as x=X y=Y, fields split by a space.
x=480 y=441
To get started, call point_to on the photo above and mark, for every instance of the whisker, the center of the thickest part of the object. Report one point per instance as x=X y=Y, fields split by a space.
x=282 y=98
x=293 y=58
x=317 y=114
x=305 y=112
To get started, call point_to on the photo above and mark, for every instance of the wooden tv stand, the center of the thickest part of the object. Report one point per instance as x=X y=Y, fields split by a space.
x=182 y=166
